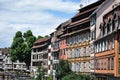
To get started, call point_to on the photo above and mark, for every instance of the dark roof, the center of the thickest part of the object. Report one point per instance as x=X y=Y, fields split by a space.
x=42 y=40
x=89 y=8
x=79 y=22
x=39 y=46
x=4 y=50
x=91 y=5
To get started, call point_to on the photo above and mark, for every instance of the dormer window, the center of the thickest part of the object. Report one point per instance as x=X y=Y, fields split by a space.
x=103 y=31
x=105 y=27
x=108 y=28
x=110 y=25
x=116 y=23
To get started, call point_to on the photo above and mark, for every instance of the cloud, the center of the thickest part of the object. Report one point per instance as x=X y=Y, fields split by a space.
x=40 y=16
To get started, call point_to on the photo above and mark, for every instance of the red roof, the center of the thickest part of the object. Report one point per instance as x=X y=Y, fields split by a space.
x=42 y=40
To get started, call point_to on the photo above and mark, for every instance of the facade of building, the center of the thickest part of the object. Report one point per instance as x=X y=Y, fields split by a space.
x=39 y=55
x=103 y=52
x=90 y=41
x=7 y=65
x=78 y=39
x=62 y=44
x=107 y=64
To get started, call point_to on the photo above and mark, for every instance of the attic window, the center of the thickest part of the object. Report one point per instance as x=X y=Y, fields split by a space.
x=116 y=23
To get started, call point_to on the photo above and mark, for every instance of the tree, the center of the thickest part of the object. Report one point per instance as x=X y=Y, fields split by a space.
x=63 y=69
x=21 y=47
x=46 y=36
x=39 y=37
x=40 y=71
x=74 y=76
x=17 y=47
x=29 y=40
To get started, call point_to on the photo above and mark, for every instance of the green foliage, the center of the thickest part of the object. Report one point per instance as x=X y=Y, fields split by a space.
x=63 y=72
x=29 y=40
x=74 y=76
x=39 y=37
x=41 y=73
x=62 y=69
x=21 y=47
x=48 y=78
x=17 y=47
x=46 y=36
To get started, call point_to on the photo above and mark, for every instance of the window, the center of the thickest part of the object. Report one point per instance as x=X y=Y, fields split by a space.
x=92 y=64
x=82 y=67
x=108 y=63
x=73 y=55
x=116 y=22
x=104 y=64
x=108 y=44
x=93 y=20
x=101 y=62
x=33 y=57
x=105 y=45
x=112 y=43
x=105 y=29
x=73 y=67
x=112 y=63
x=100 y=47
x=97 y=47
x=108 y=28
x=87 y=51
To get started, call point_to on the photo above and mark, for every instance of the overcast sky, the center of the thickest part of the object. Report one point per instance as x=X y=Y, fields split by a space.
x=40 y=16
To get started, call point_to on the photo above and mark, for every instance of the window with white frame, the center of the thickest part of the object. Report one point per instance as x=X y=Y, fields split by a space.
x=100 y=46
x=69 y=53
x=97 y=48
x=77 y=67
x=73 y=67
x=87 y=51
x=72 y=53
x=103 y=46
x=82 y=67
x=92 y=49
x=82 y=51
x=92 y=64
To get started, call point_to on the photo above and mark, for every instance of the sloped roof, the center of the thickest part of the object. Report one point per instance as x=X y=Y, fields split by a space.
x=42 y=40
